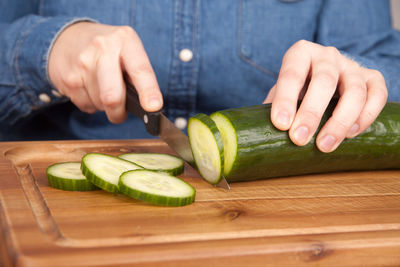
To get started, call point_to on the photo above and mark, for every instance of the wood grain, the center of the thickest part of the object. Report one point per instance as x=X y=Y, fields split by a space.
x=341 y=219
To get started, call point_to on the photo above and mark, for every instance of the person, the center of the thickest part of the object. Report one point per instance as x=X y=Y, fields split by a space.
x=62 y=64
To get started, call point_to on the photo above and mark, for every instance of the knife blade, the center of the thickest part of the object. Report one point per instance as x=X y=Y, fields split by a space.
x=157 y=124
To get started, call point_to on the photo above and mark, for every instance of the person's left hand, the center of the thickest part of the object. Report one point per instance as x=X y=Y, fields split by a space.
x=362 y=95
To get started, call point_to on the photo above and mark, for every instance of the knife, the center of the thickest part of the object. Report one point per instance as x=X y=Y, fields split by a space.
x=157 y=124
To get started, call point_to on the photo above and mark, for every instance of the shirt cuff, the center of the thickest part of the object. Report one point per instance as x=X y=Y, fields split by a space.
x=32 y=55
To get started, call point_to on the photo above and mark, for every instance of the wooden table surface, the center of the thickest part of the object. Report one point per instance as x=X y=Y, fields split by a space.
x=340 y=219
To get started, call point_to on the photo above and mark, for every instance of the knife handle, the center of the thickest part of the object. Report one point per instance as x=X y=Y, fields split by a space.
x=150 y=119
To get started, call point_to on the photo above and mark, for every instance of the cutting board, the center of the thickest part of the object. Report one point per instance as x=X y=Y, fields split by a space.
x=338 y=219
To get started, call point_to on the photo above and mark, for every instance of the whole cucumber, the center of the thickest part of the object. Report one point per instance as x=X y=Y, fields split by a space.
x=255 y=149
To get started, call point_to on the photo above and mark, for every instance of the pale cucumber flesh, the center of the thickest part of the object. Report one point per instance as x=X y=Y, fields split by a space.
x=67 y=170
x=158 y=188
x=156 y=161
x=229 y=139
x=205 y=150
x=104 y=170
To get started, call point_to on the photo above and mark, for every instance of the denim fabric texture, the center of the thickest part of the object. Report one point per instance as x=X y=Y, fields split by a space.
x=237 y=50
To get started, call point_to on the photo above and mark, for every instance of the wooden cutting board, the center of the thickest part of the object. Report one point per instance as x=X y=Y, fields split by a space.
x=341 y=219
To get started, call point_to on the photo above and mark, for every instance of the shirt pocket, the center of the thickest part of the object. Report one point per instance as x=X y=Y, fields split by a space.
x=266 y=29
x=116 y=12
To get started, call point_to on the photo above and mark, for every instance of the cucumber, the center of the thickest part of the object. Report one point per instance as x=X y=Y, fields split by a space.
x=159 y=188
x=156 y=162
x=68 y=176
x=207 y=148
x=104 y=170
x=255 y=149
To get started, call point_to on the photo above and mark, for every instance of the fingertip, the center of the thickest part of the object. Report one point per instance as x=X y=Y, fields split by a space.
x=353 y=131
x=111 y=99
x=327 y=143
x=300 y=136
x=117 y=117
x=282 y=120
x=153 y=103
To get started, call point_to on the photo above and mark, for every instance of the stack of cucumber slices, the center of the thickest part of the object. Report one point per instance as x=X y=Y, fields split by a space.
x=150 y=177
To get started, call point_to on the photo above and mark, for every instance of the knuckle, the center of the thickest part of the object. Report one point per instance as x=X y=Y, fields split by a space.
x=110 y=100
x=379 y=97
x=328 y=78
x=377 y=75
x=384 y=94
x=378 y=81
x=358 y=88
x=332 y=51
x=349 y=65
x=355 y=83
x=353 y=65
x=85 y=60
x=72 y=80
x=126 y=32
x=100 y=43
x=291 y=74
x=301 y=44
x=312 y=115
x=340 y=125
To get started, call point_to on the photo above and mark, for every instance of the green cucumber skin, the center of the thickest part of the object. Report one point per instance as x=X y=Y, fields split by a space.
x=70 y=185
x=265 y=152
x=94 y=179
x=157 y=200
x=154 y=199
x=175 y=172
x=214 y=129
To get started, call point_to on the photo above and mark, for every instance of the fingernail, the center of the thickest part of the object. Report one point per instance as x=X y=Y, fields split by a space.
x=353 y=130
x=154 y=103
x=283 y=119
x=327 y=143
x=301 y=135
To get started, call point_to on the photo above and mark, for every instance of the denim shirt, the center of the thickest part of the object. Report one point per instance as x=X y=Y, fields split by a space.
x=236 y=46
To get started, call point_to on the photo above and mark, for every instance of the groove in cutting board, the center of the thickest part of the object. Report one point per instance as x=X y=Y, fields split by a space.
x=38 y=204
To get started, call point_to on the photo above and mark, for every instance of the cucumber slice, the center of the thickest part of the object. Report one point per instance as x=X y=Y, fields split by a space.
x=158 y=188
x=68 y=176
x=207 y=147
x=156 y=162
x=229 y=140
x=104 y=170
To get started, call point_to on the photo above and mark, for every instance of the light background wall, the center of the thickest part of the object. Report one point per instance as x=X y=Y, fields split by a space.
x=395 y=4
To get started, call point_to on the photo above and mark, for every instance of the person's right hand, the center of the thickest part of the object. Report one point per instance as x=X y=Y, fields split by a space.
x=87 y=63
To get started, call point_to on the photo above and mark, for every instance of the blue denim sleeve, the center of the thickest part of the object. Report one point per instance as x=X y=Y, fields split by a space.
x=362 y=31
x=25 y=44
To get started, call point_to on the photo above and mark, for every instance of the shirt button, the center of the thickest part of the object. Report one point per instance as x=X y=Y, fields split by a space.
x=185 y=55
x=180 y=123
x=44 y=98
